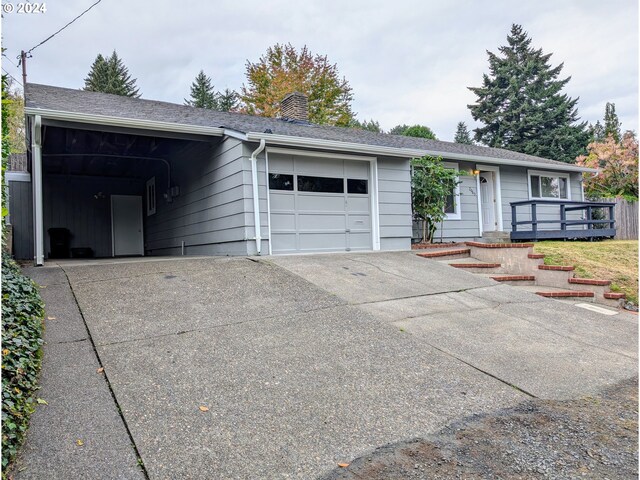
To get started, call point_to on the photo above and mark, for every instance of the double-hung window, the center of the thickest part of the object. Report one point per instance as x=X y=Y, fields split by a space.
x=452 y=207
x=549 y=186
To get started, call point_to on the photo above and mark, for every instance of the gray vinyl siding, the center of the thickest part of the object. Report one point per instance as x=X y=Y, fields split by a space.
x=21 y=218
x=82 y=204
x=394 y=203
x=468 y=225
x=515 y=188
x=209 y=213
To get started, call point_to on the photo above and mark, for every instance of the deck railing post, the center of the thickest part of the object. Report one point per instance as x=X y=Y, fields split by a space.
x=563 y=217
x=589 y=218
x=514 y=220
x=612 y=216
x=534 y=221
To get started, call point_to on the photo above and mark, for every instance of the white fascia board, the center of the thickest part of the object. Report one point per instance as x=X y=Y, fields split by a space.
x=286 y=140
x=124 y=122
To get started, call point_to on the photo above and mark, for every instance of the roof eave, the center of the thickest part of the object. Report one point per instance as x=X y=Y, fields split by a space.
x=93 y=119
x=286 y=140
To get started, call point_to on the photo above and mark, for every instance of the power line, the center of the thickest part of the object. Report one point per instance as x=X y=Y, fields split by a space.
x=51 y=36
x=14 y=78
x=10 y=61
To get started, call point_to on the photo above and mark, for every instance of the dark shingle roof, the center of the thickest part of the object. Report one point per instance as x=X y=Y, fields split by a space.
x=79 y=101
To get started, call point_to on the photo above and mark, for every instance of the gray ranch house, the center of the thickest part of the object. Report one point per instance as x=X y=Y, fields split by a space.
x=118 y=176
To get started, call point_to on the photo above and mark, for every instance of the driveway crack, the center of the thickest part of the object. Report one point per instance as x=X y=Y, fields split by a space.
x=106 y=377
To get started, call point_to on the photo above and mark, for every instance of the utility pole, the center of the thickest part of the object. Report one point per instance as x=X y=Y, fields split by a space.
x=23 y=62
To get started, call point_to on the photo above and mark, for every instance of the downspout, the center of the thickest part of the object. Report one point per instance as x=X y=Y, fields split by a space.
x=36 y=158
x=256 y=199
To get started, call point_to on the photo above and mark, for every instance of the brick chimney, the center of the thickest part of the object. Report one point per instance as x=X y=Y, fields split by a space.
x=294 y=106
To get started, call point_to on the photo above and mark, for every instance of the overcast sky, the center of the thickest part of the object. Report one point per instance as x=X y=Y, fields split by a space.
x=407 y=61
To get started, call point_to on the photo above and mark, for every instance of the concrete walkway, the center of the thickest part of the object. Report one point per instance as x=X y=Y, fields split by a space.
x=283 y=367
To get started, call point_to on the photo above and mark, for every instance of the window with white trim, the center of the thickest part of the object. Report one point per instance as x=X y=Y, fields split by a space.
x=549 y=186
x=452 y=207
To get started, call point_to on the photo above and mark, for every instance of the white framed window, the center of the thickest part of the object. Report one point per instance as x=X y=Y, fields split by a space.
x=549 y=185
x=452 y=207
x=151 y=196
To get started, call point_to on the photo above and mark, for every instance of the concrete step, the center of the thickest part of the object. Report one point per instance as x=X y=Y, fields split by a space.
x=558 y=293
x=474 y=265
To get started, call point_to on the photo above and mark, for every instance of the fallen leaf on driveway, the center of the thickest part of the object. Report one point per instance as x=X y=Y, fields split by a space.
x=51 y=318
x=100 y=370
x=203 y=408
x=343 y=465
x=41 y=401
x=79 y=443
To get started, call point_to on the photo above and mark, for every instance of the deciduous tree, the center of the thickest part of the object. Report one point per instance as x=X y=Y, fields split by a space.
x=521 y=104
x=370 y=125
x=618 y=165
x=283 y=70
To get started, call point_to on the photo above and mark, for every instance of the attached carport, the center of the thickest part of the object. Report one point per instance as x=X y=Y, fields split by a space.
x=96 y=180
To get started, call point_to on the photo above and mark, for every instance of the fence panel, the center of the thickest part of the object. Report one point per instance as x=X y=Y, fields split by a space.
x=626 y=218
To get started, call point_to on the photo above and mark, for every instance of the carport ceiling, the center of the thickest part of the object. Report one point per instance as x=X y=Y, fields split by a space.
x=71 y=151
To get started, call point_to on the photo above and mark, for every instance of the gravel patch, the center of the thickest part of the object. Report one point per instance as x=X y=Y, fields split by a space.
x=592 y=437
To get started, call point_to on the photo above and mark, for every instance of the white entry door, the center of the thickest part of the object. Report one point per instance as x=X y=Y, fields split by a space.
x=487 y=202
x=126 y=225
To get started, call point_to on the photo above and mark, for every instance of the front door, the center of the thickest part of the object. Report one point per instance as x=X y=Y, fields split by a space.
x=487 y=202
x=126 y=225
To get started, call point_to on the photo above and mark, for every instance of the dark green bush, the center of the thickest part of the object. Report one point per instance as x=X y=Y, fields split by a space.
x=22 y=327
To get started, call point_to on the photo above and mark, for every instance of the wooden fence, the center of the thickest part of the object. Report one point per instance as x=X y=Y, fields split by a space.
x=626 y=214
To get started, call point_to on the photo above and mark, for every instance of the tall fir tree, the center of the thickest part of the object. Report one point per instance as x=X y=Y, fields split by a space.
x=521 y=105
x=228 y=101
x=462 y=134
x=596 y=132
x=202 y=93
x=110 y=75
x=611 y=122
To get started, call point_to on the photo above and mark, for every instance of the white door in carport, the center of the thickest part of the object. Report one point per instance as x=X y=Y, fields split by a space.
x=319 y=204
x=126 y=225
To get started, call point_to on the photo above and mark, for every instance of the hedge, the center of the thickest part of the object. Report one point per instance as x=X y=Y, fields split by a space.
x=22 y=328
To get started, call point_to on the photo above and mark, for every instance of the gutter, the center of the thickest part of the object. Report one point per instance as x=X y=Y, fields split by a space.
x=123 y=122
x=256 y=199
x=302 y=142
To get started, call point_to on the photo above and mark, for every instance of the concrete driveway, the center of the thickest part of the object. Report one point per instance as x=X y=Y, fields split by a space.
x=283 y=367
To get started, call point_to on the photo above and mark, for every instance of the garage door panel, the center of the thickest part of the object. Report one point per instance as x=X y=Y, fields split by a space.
x=322 y=241
x=280 y=163
x=327 y=167
x=360 y=241
x=356 y=169
x=359 y=222
x=282 y=201
x=320 y=203
x=358 y=204
x=286 y=242
x=283 y=221
x=323 y=222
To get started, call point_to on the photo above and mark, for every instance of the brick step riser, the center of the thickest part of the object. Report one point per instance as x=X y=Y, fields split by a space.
x=580 y=298
x=518 y=283
x=445 y=256
x=492 y=270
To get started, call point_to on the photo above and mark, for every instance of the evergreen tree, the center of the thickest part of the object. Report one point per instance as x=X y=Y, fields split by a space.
x=370 y=125
x=462 y=134
x=611 y=123
x=110 y=75
x=202 y=93
x=596 y=132
x=521 y=105
x=228 y=101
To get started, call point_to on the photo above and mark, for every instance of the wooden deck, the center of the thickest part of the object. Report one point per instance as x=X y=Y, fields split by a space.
x=560 y=227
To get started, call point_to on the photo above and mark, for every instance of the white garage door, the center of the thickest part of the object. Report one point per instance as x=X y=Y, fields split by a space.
x=319 y=204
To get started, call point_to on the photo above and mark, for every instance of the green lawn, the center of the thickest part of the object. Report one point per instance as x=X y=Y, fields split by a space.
x=615 y=260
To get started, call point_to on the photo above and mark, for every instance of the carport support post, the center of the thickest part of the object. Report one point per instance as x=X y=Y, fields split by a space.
x=36 y=158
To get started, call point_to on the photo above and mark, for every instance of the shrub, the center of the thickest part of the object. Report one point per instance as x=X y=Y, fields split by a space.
x=22 y=327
